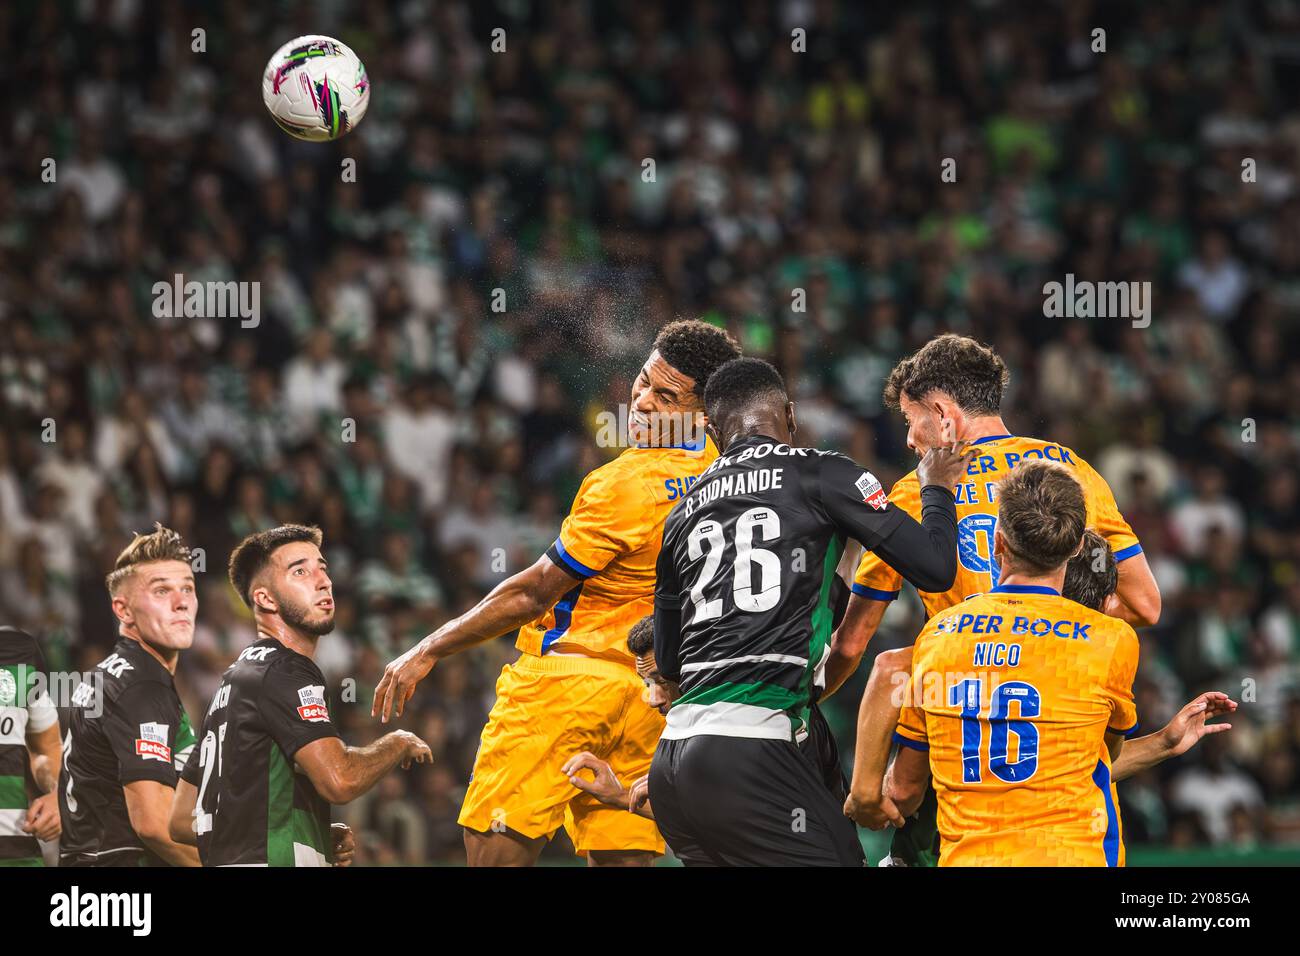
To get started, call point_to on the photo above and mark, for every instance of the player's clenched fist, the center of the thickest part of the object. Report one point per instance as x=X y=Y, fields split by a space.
x=417 y=751
x=399 y=680
x=874 y=814
x=345 y=844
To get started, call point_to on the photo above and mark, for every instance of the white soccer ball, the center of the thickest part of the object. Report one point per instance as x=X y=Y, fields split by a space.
x=315 y=88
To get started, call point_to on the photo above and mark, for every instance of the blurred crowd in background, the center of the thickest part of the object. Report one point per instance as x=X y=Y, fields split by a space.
x=438 y=442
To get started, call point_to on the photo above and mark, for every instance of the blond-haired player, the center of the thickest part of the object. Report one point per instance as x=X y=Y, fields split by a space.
x=128 y=734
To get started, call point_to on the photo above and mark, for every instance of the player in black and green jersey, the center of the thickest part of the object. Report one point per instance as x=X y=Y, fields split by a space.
x=127 y=726
x=240 y=800
x=29 y=752
x=743 y=621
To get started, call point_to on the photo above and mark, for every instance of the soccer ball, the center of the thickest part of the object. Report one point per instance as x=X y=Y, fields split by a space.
x=315 y=88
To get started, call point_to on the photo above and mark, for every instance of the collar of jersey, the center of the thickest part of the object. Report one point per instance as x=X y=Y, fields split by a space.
x=757 y=436
x=1024 y=589
x=980 y=441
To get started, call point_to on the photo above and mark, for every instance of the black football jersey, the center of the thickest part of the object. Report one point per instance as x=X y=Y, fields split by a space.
x=125 y=725
x=253 y=807
x=745 y=580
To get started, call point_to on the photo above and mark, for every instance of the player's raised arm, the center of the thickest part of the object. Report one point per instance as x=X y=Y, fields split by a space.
x=1176 y=737
x=1136 y=600
x=926 y=552
x=516 y=601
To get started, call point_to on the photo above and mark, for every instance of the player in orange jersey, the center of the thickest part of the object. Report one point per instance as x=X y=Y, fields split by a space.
x=951 y=389
x=575 y=686
x=1020 y=699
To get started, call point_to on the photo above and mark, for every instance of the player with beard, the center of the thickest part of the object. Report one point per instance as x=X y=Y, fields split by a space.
x=127 y=726
x=240 y=798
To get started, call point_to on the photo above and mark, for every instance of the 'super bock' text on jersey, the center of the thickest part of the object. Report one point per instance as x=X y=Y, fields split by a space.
x=125 y=725
x=1012 y=693
x=25 y=708
x=253 y=807
x=609 y=543
x=977 y=514
x=749 y=557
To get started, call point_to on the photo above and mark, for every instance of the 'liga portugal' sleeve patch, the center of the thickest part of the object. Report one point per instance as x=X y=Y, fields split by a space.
x=311 y=700
x=152 y=743
x=872 y=492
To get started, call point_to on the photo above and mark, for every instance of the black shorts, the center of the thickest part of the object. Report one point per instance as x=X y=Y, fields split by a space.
x=738 y=801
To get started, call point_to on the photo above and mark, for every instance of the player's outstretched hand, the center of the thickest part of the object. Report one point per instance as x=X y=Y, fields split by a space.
x=604 y=785
x=417 y=751
x=944 y=465
x=1189 y=724
x=399 y=680
x=43 y=817
x=345 y=844
x=874 y=814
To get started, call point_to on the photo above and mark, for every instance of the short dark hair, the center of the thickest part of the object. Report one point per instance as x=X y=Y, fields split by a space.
x=740 y=383
x=971 y=374
x=1092 y=575
x=641 y=639
x=254 y=553
x=696 y=348
x=1042 y=515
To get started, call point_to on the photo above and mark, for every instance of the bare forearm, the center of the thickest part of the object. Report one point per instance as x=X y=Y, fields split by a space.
x=906 y=794
x=849 y=642
x=45 y=771
x=171 y=852
x=508 y=606
x=1140 y=754
x=46 y=749
x=839 y=668
x=1138 y=595
x=877 y=718
x=365 y=765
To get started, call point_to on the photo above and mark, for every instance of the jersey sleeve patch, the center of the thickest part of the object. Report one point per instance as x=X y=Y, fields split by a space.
x=152 y=742
x=873 y=493
x=311 y=704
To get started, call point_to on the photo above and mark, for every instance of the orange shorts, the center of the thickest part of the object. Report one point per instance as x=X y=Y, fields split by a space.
x=547 y=710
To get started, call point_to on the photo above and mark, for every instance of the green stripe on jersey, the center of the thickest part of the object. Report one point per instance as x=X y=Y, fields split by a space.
x=279 y=809
x=24 y=861
x=823 y=623
x=13 y=793
x=757 y=694
x=287 y=824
